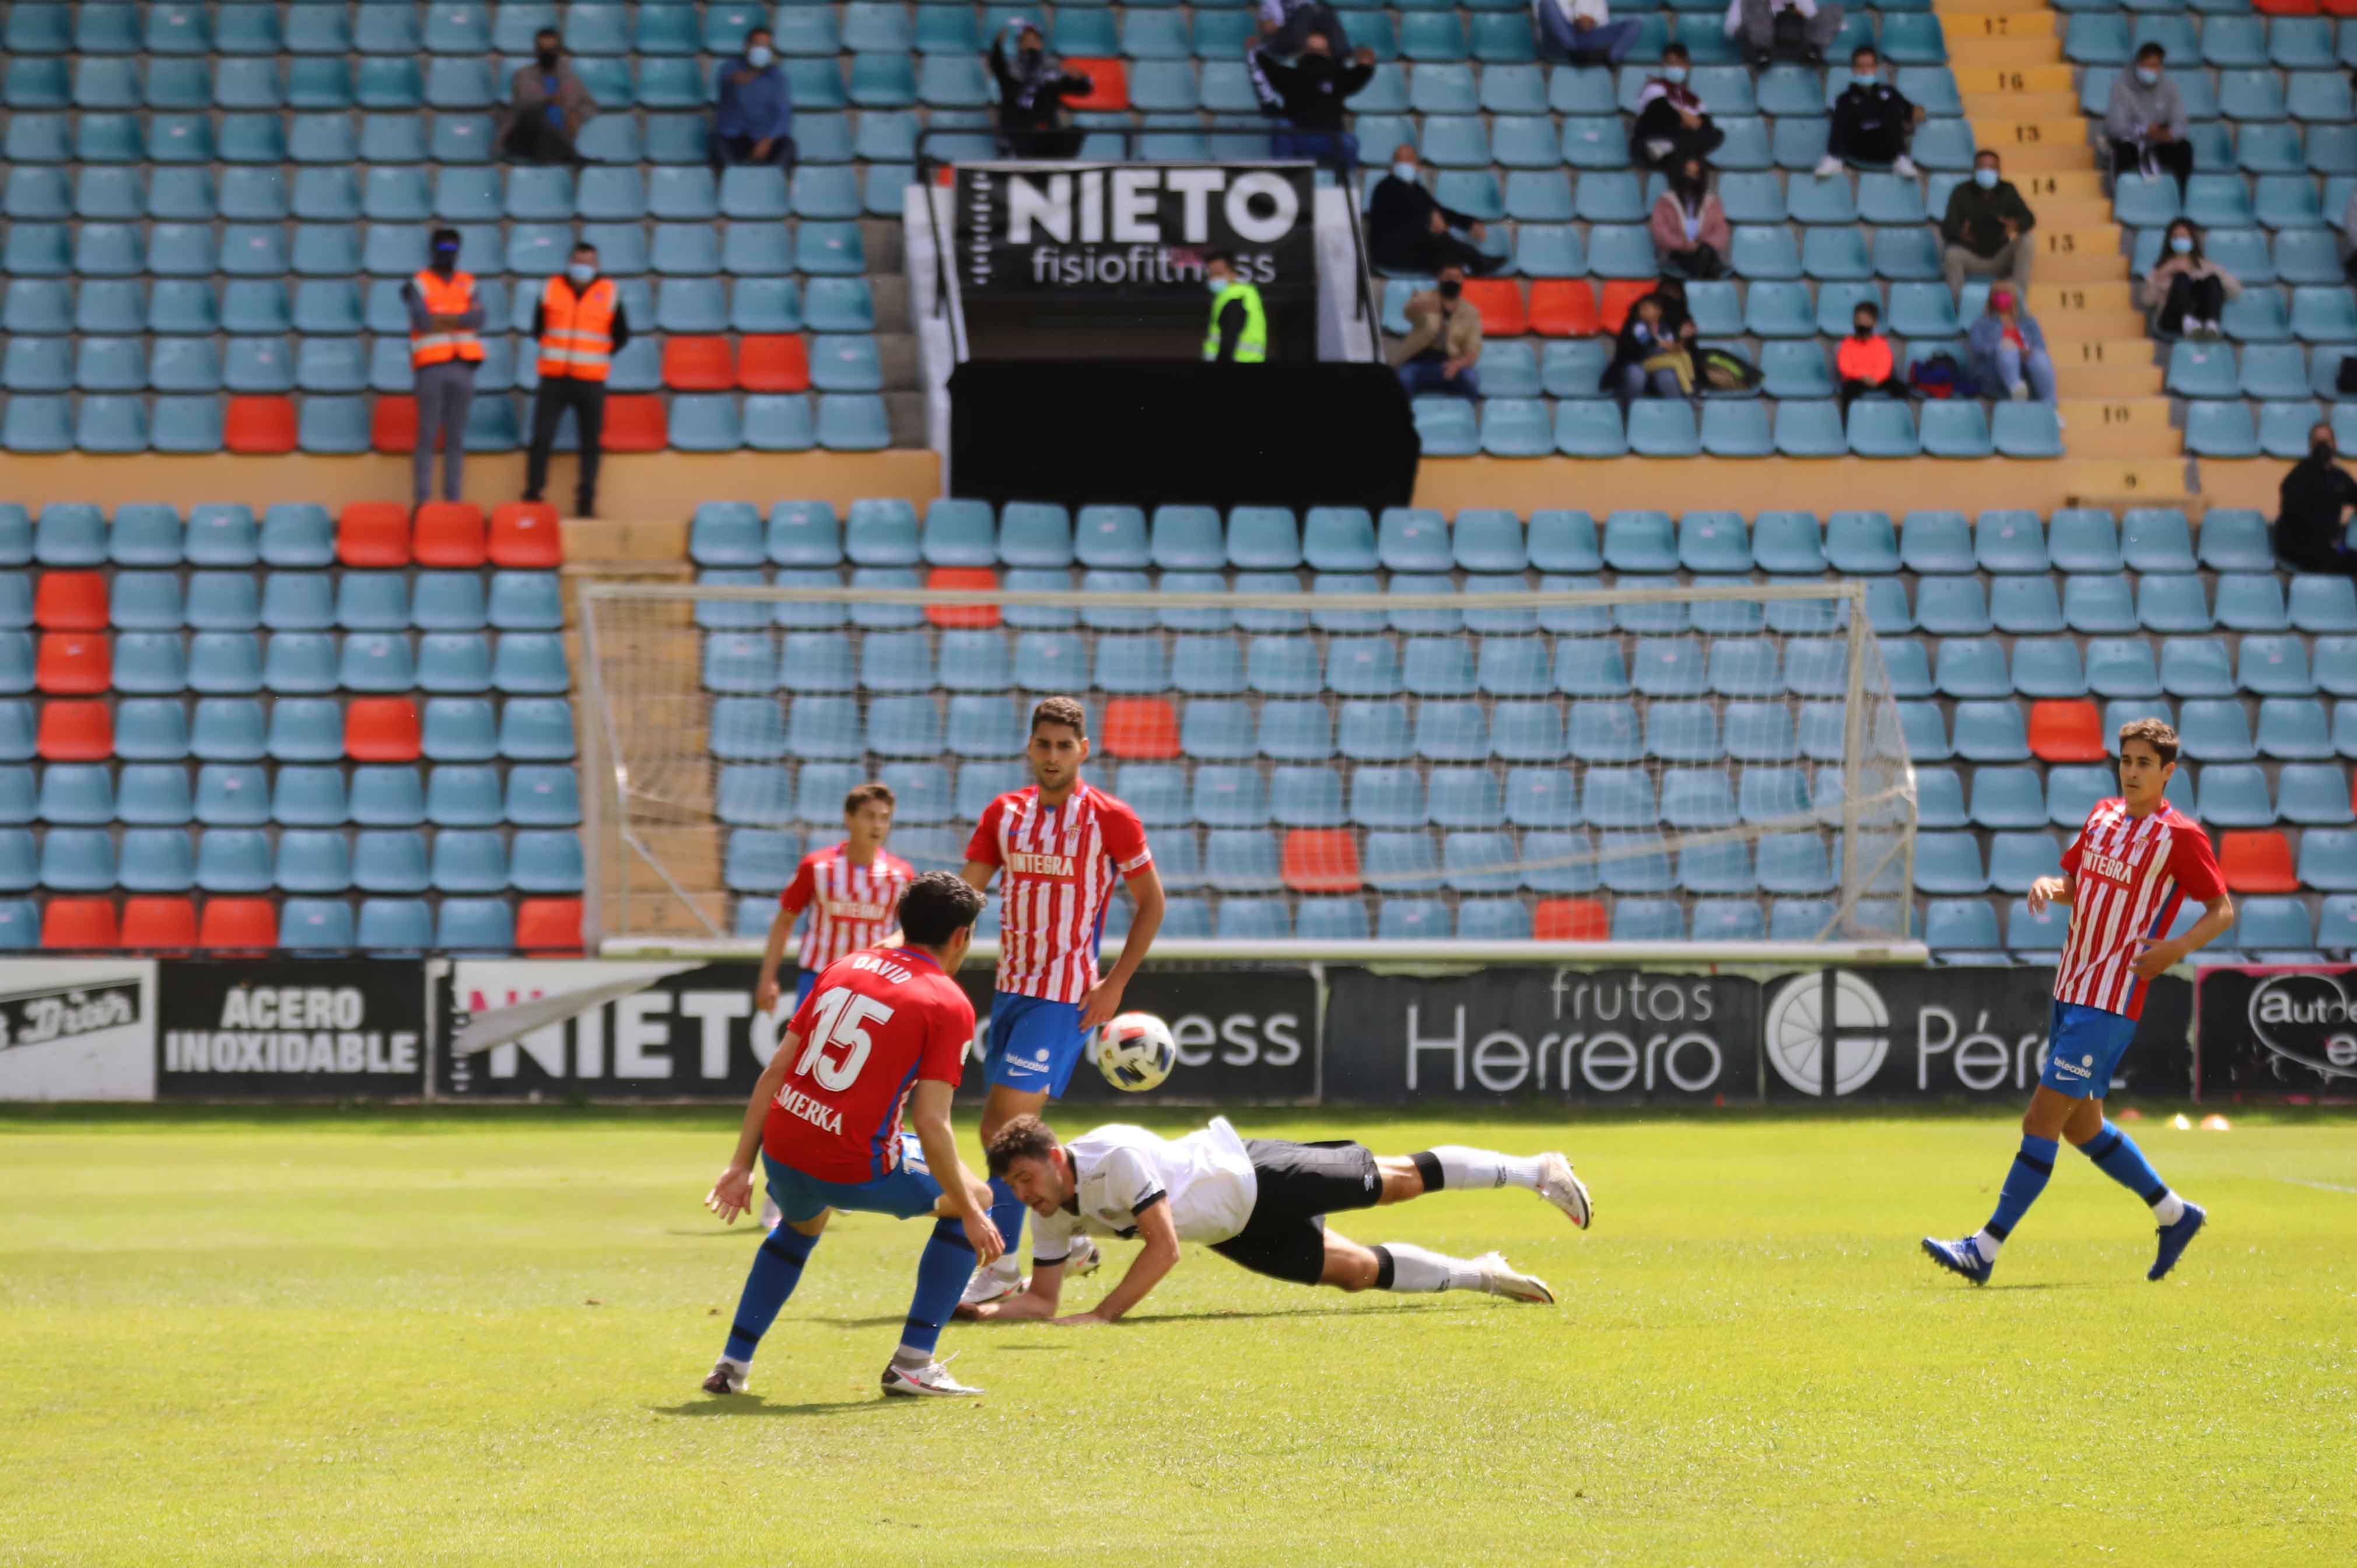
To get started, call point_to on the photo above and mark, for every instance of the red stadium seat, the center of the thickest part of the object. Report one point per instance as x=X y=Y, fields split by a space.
x=76 y=732
x=548 y=925
x=448 y=533
x=240 y=923
x=773 y=362
x=1562 y=307
x=1500 y=301
x=1141 y=727
x=1620 y=296
x=2341 y=7
x=373 y=533
x=74 y=663
x=84 y=925
x=2257 y=861
x=71 y=601
x=149 y=923
x=2067 y=730
x=962 y=614
x=525 y=534
x=1570 y=921
x=1322 y=860
x=1108 y=84
x=262 y=424
x=699 y=364
x=636 y=424
x=2286 y=7
x=392 y=425
x=382 y=729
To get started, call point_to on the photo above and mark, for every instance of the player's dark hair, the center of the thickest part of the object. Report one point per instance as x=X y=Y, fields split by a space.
x=937 y=906
x=1065 y=711
x=2157 y=733
x=874 y=790
x=1025 y=1138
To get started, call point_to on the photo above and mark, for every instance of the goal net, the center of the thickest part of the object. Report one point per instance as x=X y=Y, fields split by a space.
x=1706 y=771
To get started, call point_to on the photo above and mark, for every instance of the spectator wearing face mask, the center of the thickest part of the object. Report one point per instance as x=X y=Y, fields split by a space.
x=1408 y=231
x=1863 y=362
x=1647 y=355
x=1032 y=87
x=1285 y=25
x=446 y=317
x=547 y=106
x=2008 y=348
x=2312 y=511
x=2145 y=121
x=1671 y=124
x=1873 y=122
x=1582 y=32
x=581 y=325
x=2187 y=287
x=1443 y=341
x=1310 y=93
x=1689 y=225
x=753 y=121
x=1238 y=331
x=1986 y=230
x=1763 y=27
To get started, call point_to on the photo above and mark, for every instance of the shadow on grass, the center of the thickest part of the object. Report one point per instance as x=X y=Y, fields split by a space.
x=1152 y=1318
x=754 y=1404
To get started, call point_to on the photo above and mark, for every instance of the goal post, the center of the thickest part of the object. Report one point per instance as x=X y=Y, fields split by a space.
x=1715 y=773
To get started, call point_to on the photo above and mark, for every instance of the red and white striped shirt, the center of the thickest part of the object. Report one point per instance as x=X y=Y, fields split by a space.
x=1061 y=863
x=851 y=906
x=2129 y=875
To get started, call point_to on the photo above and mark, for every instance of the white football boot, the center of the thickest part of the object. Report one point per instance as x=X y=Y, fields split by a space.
x=993 y=1283
x=728 y=1378
x=1082 y=1260
x=931 y=1378
x=1559 y=1186
x=1499 y=1278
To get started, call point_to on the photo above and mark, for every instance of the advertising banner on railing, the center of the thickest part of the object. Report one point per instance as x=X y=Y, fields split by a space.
x=74 y=1028
x=291 y=1030
x=521 y=1028
x=2271 y=1033
x=1133 y=230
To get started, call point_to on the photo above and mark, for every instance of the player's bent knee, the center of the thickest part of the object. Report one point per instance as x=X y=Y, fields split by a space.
x=1349 y=1266
x=814 y=1224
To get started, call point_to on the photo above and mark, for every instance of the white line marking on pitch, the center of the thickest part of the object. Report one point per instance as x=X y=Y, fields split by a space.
x=2319 y=1186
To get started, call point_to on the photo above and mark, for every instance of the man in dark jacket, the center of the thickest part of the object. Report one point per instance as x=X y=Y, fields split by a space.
x=2312 y=521
x=1032 y=88
x=1985 y=232
x=1408 y=230
x=753 y=107
x=1873 y=121
x=1311 y=91
x=1671 y=124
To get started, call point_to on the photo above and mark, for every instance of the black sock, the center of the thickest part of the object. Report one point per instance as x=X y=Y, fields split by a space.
x=1427 y=1165
x=1384 y=1262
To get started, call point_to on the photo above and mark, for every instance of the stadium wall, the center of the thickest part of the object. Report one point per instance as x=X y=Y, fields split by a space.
x=1683 y=1039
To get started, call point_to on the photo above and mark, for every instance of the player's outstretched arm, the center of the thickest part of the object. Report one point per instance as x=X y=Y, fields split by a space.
x=765 y=990
x=734 y=1191
x=1159 y=1231
x=1104 y=1002
x=929 y=1114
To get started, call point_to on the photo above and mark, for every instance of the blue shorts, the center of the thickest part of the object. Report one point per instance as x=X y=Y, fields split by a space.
x=905 y=1192
x=1034 y=1043
x=2083 y=1047
x=804 y=979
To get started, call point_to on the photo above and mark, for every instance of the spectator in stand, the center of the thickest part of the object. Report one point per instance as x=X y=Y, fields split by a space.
x=1311 y=92
x=1873 y=121
x=753 y=117
x=2187 y=287
x=581 y=325
x=1239 y=330
x=1986 y=229
x=1032 y=88
x=1443 y=341
x=2145 y=121
x=1863 y=362
x=2349 y=237
x=1764 y=29
x=1671 y=124
x=1644 y=356
x=1582 y=32
x=1285 y=25
x=1689 y=224
x=2008 y=348
x=547 y=106
x=445 y=315
x=1410 y=232
x=2312 y=515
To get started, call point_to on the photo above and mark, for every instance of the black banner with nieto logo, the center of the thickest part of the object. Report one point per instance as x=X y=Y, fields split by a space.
x=1132 y=230
x=2268 y=1033
x=300 y=1029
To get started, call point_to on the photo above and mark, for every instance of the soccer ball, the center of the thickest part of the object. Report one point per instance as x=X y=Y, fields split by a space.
x=1135 y=1052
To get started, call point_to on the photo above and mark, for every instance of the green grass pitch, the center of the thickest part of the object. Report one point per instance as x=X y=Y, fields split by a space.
x=420 y=1338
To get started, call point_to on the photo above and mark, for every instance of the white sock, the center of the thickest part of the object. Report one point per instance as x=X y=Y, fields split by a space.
x=1986 y=1245
x=1464 y=1168
x=2170 y=1208
x=911 y=1359
x=740 y=1367
x=1416 y=1271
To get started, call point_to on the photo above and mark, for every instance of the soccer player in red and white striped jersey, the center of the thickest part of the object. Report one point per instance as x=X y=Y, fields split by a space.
x=851 y=891
x=1063 y=845
x=2126 y=876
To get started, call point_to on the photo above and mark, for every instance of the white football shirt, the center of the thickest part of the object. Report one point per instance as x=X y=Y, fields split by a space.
x=1120 y=1170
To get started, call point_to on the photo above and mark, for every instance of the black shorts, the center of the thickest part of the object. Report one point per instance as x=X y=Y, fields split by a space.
x=1300 y=1184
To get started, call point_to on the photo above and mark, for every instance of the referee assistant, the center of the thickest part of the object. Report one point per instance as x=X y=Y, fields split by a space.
x=581 y=326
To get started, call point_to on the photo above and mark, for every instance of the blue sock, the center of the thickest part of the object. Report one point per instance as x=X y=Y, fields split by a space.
x=941 y=1272
x=1006 y=1212
x=2117 y=1155
x=2031 y=1166
x=777 y=1269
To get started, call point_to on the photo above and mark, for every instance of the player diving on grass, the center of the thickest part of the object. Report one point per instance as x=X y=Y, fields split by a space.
x=883 y=1031
x=1259 y=1202
x=2125 y=877
x=1061 y=845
